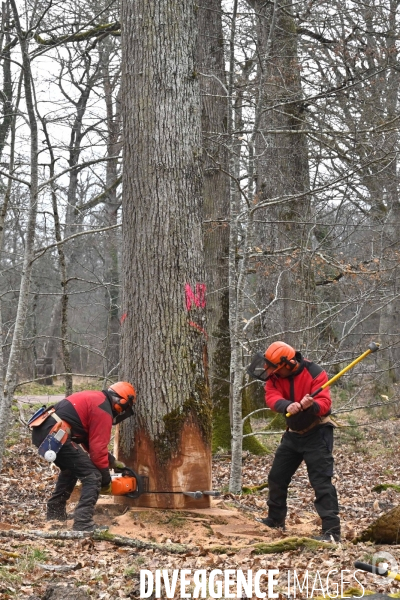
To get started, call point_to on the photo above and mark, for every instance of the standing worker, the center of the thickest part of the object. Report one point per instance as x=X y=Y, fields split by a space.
x=84 y=418
x=291 y=379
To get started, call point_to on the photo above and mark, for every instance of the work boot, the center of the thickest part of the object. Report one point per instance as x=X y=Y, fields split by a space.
x=271 y=523
x=328 y=536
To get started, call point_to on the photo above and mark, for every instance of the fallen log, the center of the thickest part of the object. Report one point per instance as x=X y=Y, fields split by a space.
x=103 y=536
x=60 y=568
x=255 y=488
x=291 y=543
x=283 y=545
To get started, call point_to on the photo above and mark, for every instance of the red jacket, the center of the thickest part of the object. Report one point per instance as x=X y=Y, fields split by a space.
x=90 y=415
x=281 y=392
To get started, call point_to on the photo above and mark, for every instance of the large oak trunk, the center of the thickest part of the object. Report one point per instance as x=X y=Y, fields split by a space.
x=163 y=349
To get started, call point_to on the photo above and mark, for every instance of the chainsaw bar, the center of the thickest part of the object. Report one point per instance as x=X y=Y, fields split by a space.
x=142 y=487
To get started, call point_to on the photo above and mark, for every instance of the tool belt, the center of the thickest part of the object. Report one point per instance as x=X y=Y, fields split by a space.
x=319 y=421
x=57 y=435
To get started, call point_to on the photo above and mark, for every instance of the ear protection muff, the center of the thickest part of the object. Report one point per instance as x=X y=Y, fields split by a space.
x=290 y=364
x=122 y=404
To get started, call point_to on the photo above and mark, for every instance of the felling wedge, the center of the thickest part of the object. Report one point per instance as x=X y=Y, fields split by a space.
x=131 y=485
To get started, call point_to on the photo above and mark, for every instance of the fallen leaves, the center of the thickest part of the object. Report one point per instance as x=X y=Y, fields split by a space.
x=108 y=572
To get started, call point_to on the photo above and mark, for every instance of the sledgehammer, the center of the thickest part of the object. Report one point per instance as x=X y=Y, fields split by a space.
x=373 y=347
x=376 y=570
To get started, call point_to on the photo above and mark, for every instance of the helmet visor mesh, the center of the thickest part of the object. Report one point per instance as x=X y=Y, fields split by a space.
x=258 y=367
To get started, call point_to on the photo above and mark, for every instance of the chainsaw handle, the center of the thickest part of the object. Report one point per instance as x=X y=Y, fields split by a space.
x=128 y=472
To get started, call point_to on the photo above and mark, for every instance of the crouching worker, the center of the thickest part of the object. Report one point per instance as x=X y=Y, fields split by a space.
x=83 y=419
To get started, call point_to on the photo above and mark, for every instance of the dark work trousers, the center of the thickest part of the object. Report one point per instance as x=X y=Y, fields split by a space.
x=315 y=448
x=75 y=464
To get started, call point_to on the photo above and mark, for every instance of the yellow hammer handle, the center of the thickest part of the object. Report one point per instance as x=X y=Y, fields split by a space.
x=343 y=371
x=350 y=366
x=394 y=575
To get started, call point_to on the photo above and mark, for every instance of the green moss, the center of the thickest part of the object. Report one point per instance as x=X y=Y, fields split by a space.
x=291 y=543
x=254 y=489
x=222 y=431
x=220 y=388
x=252 y=396
x=386 y=486
x=221 y=439
x=384 y=530
x=103 y=535
x=251 y=402
x=198 y=409
x=277 y=423
x=253 y=445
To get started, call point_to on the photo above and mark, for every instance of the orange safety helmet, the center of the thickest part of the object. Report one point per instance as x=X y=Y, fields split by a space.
x=124 y=394
x=280 y=354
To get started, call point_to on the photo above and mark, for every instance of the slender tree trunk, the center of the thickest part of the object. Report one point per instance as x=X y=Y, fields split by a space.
x=111 y=207
x=23 y=300
x=7 y=91
x=213 y=86
x=60 y=308
x=163 y=349
x=390 y=315
x=282 y=170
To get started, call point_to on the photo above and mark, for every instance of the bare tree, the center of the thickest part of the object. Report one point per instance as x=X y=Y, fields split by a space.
x=163 y=332
x=10 y=380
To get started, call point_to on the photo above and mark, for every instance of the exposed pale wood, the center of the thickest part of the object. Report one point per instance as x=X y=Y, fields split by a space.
x=189 y=471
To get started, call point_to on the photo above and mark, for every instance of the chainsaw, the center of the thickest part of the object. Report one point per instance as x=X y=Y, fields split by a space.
x=131 y=485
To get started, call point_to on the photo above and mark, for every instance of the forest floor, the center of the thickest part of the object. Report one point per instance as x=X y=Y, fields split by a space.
x=223 y=537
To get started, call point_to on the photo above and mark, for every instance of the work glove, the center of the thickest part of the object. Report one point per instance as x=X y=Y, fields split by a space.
x=106 y=490
x=118 y=465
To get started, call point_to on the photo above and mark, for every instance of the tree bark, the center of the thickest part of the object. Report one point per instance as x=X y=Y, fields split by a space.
x=111 y=206
x=10 y=379
x=210 y=51
x=163 y=349
x=282 y=170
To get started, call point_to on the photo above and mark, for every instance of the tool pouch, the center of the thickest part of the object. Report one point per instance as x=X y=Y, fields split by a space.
x=40 y=416
x=55 y=440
